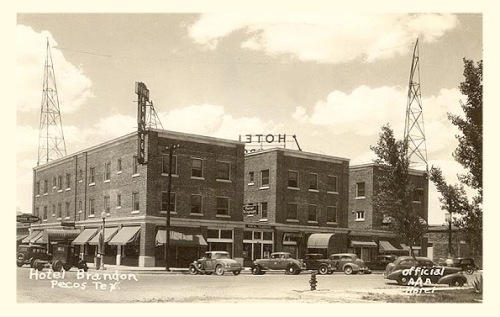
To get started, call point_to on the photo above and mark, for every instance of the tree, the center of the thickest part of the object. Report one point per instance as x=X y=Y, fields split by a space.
x=394 y=195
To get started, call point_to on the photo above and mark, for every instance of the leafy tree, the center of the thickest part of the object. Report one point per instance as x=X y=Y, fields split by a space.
x=394 y=195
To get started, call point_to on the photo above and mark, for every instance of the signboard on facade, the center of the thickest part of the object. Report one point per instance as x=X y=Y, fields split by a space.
x=258 y=226
x=259 y=142
x=27 y=218
x=250 y=209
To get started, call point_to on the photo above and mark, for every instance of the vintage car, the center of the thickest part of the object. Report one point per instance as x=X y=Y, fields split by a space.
x=318 y=262
x=27 y=254
x=278 y=261
x=217 y=262
x=63 y=257
x=349 y=263
x=380 y=261
x=466 y=264
x=408 y=268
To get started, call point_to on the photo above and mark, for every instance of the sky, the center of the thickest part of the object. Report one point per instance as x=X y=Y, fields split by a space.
x=331 y=78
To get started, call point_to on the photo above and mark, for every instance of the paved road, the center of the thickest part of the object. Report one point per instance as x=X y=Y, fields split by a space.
x=140 y=287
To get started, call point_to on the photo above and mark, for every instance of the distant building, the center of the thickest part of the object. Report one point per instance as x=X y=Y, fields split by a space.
x=437 y=246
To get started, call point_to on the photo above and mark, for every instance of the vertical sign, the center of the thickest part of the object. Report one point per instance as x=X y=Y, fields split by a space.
x=142 y=97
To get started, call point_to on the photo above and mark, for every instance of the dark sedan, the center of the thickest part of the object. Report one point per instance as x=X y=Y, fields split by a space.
x=380 y=261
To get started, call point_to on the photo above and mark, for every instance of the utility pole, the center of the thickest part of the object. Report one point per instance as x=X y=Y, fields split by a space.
x=169 y=189
x=450 y=210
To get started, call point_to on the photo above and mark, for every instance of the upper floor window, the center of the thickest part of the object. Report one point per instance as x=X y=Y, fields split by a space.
x=119 y=165
x=222 y=205
x=80 y=205
x=331 y=184
x=106 y=204
x=293 y=179
x=91 y=206
x=197 y=167
x=264 y=178
x=312 y=213
x=196 y=204
x=263 y=207
x=135 y=201
x=360 y=215
x=135 y=165
x=418 y=195
x=360 y=189
x=164 y=202
x=118 y=200
x=92 y=175
x=331 y=214
x=68 y=207
x=313 y=181
x=68 y=180
x=45 y=213
x=54 y=182
x=59 y=210
x=165 y=165
x=37 y=211
x=37 y=188
x=45 y=186
x=251 y=178
x=54 y=210
x=107 y=171
x=80 y=175
x=59 y=182
x=291 y=211
x=223 y=170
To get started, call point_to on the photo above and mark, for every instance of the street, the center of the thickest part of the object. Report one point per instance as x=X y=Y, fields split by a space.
x=114 y=286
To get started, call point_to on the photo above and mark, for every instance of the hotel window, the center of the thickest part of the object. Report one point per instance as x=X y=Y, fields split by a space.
x=54 y=182
x=53 y=210
x=197 y=167
x=360 y=215
x=68 y=180
x=135 y=164
x=135 y=201
x=37 y=211
x=45 y=186
x=418 y=195
x=59 y=182
x=59 y=210
x=293 y=179
x=312 y=212
x=38 y=188
x=80 y=175
x=263 y=207
x=80 y=205
x=118 y=200
x=196 y=204
x=67 y=209
x=331 y=184
x=106 y=204
x=44 y=212
x=107 y=171
x=360 y=189
x=264 y=178
x=91 y=207
x=92 y=175
x=250 y=178
x=165 y=164
x=331 y=214
x=292 y=211
x=223 y=206
x=164 y=202
x=223 y=170
x=313 y=181
x=118 y=165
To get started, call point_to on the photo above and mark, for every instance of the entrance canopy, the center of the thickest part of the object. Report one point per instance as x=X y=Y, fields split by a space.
x=386 y=246
x=125 y=235
x=85 y=236
x=108 y=232
x=369 y=244
x=180 y=239
x=33 y=236
x=59 y=235
x=319 y=240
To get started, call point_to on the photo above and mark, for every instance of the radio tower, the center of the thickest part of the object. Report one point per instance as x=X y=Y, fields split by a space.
x=414 y=133
x=51 y=143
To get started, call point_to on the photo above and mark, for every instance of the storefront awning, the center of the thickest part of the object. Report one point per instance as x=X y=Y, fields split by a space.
x=319 y=240
x=33 y=236
x=386 y=246
x=85 y=236
x=368 y=244
x=21 y=237
x=109 y=233
x=180 y=239
x=58 y=235
x=125 y=235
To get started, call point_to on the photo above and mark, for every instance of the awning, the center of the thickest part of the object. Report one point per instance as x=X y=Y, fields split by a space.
x=33 y=236
x=368 y=244
x=180 y=239
x=65 y=235
x=109 y=233
x=125 y=236
x=319 y=240
x=386 y=246
x=85 y=236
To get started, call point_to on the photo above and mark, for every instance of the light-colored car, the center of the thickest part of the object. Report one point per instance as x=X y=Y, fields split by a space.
x=217 y=262
x=350 y=263
x=278 y=261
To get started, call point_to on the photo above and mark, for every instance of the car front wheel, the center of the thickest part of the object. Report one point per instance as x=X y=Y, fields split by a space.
x=292 y=269
x=469 y=270
x=457 y=282
x=236 y=272
x=219 y=270
x=348 y=270
x=323 y=269
x=192 y=270
x=256 y=270
x=403 y=280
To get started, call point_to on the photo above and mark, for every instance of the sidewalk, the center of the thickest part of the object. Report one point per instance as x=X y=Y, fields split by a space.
x=137 y=269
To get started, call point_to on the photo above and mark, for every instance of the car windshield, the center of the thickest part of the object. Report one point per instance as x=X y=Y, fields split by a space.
x=220 y=256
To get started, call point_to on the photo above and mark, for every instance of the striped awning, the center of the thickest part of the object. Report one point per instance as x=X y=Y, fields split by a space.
x=125 y=235
x=368 y=244
x=109 y=233
x=180 y=239
x=57 y=235
x=33 y=236
x=386 y=246
x=85 y=236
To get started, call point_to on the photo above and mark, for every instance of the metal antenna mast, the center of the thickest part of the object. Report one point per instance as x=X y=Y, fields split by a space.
x=414 y=133
x=152 y=119
x=51 y=143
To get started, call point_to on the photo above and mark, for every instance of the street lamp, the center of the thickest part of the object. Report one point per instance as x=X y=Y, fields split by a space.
x=103 y=216
x=450 y=210
x=170 y=149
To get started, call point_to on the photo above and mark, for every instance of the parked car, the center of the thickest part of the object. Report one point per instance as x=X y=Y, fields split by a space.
x=27 y=254
x=217 y=262
x=380 y=261
x=278 y=261
x=63 y=257
x=466 y=264
x=406 y=268
x=349 y=263
x=318 y=262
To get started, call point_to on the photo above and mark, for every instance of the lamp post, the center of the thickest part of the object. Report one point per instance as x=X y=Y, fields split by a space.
x=103 y=216
x=170 y=149
x=450 y=209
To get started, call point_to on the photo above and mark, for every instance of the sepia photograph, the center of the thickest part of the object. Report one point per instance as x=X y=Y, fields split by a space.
x=199 y=155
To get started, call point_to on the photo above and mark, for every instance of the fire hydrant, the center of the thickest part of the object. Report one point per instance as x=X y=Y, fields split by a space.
x=313 y=282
